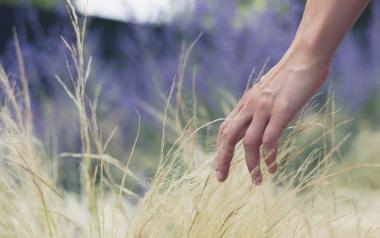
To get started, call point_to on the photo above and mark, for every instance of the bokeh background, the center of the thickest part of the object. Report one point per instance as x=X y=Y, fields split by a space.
x=137 y=46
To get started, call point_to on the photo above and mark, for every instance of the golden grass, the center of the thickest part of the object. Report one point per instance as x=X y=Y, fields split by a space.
x=184 y=199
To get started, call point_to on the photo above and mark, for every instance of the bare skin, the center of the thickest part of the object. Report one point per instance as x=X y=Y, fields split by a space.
x=268 y=107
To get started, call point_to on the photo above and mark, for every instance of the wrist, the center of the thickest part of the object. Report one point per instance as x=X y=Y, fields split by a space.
x=310 y=51
x=305 y=54
x=304 y=62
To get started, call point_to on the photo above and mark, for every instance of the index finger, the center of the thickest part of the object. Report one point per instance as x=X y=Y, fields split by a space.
x=224 y=125
x=228 y=139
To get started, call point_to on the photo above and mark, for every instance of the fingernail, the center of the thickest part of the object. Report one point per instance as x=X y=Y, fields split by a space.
x=257 y=177
x=272 y=168
x=219 y=176
x=257 y=180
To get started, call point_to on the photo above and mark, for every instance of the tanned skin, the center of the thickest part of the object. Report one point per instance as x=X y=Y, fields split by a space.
x=267 y=108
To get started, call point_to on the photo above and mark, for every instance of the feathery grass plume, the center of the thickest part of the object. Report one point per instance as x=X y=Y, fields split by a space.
x=301 y=201
x=184 y=199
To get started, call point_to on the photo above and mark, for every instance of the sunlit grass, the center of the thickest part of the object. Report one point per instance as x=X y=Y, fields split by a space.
x=183 y=198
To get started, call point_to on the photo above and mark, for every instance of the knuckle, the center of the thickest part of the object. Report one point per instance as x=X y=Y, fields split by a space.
x=262 y=105
x=269 y=141
x=282 y=107
x=265 y=100
x=221 y=127
x=250 y=143
x=223 y=132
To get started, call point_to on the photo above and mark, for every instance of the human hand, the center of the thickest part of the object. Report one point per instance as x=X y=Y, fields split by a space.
x=265 y=111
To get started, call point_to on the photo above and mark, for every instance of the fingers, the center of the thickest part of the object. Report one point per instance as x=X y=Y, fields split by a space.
x=270 y=140
x=264 y=129
x=225 y=124
x=252 y=142
x=229 y=135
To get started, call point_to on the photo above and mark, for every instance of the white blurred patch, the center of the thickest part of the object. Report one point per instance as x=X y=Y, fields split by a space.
x=141 y=11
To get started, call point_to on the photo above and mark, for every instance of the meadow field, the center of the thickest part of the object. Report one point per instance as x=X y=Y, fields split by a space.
x=77 y=167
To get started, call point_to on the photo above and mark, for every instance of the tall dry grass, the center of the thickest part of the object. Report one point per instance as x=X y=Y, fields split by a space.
x=184 y=199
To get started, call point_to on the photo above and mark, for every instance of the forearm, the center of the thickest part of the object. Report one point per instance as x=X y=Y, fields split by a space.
x=270 y=105
x=324 y=24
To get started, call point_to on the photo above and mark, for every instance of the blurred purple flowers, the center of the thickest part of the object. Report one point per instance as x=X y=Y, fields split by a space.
x=129 y=59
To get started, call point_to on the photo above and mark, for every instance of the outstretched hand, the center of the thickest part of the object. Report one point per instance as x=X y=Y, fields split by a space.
x=268 y=107
x=266 y=110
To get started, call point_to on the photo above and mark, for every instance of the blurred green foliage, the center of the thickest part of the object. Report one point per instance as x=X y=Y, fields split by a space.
x=363 y=159
x=370 y=115
x=257 y=3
